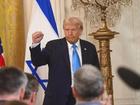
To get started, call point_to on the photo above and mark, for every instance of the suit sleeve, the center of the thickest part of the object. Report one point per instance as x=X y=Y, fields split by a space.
x=39 y=57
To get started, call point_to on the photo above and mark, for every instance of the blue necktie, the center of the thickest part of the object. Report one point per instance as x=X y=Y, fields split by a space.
x=75 y=59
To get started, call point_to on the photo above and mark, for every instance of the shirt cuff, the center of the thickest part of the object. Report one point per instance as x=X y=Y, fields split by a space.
x=34 y=45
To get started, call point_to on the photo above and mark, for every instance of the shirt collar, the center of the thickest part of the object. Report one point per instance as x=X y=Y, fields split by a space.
x=77 y=44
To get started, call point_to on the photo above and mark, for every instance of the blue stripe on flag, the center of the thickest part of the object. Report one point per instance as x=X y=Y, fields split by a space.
x=34 y=73
x=45 y=6
x=1 y=48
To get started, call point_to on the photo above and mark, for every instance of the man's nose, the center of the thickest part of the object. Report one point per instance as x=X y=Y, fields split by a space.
x=70 y=32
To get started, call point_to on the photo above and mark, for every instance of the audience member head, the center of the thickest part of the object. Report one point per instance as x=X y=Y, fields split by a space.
x=31 y=89
x=12 y=83
x=88 y=83
x=73 y=28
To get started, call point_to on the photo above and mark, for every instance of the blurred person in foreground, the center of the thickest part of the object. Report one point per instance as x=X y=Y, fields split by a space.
x=12 y=83
x=31 y=90
x=58 y=54
x=88 y=87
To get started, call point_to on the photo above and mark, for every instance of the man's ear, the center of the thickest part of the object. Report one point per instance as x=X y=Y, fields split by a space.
x=75 y=94
x=33 y=98
x=21 y=93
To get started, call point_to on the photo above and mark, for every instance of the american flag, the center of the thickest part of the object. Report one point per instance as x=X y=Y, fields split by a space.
x=2 y=62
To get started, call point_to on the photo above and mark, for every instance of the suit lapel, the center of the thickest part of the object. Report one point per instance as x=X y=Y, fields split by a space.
x=65 y=53
x=83 y=51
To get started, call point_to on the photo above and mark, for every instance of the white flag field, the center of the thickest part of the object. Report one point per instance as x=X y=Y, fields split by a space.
x=42 y=19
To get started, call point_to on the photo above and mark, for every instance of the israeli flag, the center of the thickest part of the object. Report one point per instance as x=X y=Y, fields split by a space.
x=42 y=19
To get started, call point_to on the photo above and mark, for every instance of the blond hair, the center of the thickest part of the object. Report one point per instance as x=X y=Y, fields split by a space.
x=73 y=20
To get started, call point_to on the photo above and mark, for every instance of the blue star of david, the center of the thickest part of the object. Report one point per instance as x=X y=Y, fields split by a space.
x=34 y=73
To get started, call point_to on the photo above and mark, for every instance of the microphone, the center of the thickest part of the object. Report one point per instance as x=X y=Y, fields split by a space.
x=131 y=78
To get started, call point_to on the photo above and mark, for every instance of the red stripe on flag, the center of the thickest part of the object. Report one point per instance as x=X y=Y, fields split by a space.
x=2 y=62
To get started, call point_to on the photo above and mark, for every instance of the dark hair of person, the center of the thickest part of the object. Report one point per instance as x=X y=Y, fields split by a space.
x=11 y=80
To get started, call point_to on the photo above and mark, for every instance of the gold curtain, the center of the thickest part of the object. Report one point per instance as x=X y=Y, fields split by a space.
x=12 y=32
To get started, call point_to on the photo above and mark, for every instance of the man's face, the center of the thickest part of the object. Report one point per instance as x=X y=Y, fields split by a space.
x=72 y=32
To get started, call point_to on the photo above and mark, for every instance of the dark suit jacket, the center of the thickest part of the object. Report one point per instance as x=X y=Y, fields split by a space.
x=56 y=55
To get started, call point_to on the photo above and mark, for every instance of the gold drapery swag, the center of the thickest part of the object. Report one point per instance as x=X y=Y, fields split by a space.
x=12 y=32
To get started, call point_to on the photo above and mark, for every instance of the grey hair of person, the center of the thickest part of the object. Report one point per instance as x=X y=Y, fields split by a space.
x=11 y=80
x=73 y=20
x=32 y=86
x=88 y=82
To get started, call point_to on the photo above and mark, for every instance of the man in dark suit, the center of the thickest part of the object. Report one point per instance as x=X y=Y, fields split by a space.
x=58 y=55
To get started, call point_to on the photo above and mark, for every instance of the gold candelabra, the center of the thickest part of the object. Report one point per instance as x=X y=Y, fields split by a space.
x=103 y=13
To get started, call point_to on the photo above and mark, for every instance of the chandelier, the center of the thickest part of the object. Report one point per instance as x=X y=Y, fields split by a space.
x=101 y=10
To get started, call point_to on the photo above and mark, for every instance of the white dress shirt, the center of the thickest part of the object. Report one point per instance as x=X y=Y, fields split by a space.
x=70 y=50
